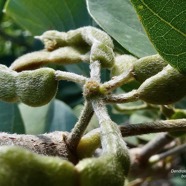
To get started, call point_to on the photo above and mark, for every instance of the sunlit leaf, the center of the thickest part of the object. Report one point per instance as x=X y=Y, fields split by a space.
x=118 y=19
x=165 y=24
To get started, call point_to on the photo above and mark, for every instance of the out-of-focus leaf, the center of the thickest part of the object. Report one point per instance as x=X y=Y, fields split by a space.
x=165 y=24
x=2 y=3
x=34 y=118
x=70 y=93
x=60 y=117
x=10 y=119
x=93 y=122
x=119 y=20
x=39 y=16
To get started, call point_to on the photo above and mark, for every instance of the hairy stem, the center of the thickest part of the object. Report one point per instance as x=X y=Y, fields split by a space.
x=123 y=108
x=116 y=82
x=60 y=75
x=153 y=127
x=95 y=71
x=122 y=98
x=134 y=129
x=79 y=128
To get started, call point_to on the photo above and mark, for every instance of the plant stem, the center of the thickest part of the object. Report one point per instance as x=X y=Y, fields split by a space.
x=95 y=71
x=134 y=129
x=171 y=152
x=153 y=127
x=122 y=98
x=116 y=82
x=60 y=75
x=153 y=146
x=123 y=108
x=79 y=128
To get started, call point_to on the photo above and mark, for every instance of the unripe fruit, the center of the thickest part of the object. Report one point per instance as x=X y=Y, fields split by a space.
x=98 y=42
x=166 y=87
x=7 y=84
x=147 y=67
x=143 y=68
x=123 y=63
x=103 y=171
x=102 y=53
x=111 y=168
x=20 y=167
x=37 y=87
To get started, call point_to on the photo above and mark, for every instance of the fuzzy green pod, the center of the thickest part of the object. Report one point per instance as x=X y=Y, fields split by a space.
x=102 y=53
x=7 y=84
x=82 y=37
x=87 y=38
x=20 y=167
x=143 y=68
x=122 y=64
x=111 y=168
x=166 y=87
x=62 y=56
x=36 y=88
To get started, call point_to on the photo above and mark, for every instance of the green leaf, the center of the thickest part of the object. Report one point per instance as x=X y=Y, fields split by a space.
x=60 y=117
x=10 y=118
x=38 y=16
x=35 y=118
x=118 y=19
x=165 y=24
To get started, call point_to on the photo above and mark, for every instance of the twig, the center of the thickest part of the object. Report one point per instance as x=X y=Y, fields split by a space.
x=170 y=152
x=153 y=127
x=153 y=146
x=69 y=76
x=122 y=98
x=116 y=82
x=79 y=128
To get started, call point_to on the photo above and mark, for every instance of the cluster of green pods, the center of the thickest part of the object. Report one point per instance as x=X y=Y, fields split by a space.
x=160 y=83
x=34 y=88
x=22 y=167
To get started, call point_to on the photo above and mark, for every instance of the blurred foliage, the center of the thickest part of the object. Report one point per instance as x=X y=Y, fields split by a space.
x=62 y=112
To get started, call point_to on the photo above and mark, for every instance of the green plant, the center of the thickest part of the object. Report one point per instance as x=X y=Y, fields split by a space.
x=128 y=76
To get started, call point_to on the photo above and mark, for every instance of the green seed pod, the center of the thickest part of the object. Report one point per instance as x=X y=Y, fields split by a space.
x=123 y=63
x=148 y=66
x=112 y=167
x=88 y=38
x=102 y=53
x=36 y=88
x=7 y=84
x=82 y=37
x=101 y=172
x=166 y=87
x=60 y=56
x=143 y=68
x=20 y=167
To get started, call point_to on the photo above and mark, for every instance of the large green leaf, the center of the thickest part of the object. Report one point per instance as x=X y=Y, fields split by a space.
x=40 y=15
x=35 y=118
x=60 y=117
x=10 y=118
x=118 y=18
x=51 y=117
x=165 y=23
